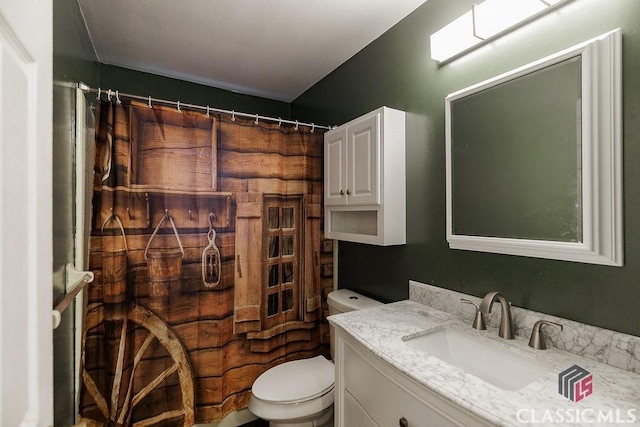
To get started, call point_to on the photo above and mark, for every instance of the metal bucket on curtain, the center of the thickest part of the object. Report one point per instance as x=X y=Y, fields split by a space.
x=114 y=267
x=164 y=265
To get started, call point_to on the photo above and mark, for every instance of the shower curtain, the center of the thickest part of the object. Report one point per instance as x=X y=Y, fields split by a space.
x=209 y=262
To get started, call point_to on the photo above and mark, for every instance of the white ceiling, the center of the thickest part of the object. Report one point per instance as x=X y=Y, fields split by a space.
x=271 y=48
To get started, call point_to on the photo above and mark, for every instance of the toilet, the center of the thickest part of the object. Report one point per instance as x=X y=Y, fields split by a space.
x=300 y=393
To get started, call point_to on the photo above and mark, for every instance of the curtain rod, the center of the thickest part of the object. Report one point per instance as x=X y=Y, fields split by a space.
x=111 y=94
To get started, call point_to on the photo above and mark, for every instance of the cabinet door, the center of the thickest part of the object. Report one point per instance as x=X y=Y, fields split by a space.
x=335 y=167
x=363 y=157
x=354 y=415
x=385 y=395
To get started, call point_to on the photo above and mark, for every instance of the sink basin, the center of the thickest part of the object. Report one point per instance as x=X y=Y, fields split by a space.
x=490 y=361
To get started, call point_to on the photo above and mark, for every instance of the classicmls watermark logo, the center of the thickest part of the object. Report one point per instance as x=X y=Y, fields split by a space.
x=575 y=383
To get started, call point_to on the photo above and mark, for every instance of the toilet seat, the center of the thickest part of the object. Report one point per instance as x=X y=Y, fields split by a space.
x=295 y=382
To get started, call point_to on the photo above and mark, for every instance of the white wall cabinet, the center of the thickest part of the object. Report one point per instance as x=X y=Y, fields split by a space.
x=371 y=393
x=364 y=167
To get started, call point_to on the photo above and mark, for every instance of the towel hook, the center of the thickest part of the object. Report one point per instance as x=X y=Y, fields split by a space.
x=233 y=115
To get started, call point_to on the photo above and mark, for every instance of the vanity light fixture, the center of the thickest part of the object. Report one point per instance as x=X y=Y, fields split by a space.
x=484 y=22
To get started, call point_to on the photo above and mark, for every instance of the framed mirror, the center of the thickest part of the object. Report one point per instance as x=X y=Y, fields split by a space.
x=534 y=158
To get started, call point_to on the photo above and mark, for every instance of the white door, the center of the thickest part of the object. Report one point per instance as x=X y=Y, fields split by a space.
x=335 y=167
x=363 y=154
x=26 y=357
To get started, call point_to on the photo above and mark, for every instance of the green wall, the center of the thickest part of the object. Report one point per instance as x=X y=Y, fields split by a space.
x=74 y=59
x=145 y=84
x=396 y=70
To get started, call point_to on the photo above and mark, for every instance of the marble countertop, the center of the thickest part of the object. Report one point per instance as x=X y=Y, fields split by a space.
x=616 y=392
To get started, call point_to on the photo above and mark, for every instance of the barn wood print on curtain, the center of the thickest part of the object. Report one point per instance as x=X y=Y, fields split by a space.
x=168 y=342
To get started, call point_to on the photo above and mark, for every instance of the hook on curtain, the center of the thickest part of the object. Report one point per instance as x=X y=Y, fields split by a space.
x=118 y=98
x=296 y=128
x=149 y=103
x=279 y=121
x=233 y=115
x=178 y=107
x=208 y=115
x=99 y=93
x=313 y=126
x=109 y=95
x=256 y=122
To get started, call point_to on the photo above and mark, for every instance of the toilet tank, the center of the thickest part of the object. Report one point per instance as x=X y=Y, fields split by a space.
x=344 y=300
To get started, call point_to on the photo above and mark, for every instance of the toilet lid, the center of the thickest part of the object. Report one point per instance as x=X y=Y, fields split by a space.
x=295 y=381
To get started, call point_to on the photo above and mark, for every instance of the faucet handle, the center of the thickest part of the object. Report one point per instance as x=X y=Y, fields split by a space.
x=478 y=321
x=537 y=337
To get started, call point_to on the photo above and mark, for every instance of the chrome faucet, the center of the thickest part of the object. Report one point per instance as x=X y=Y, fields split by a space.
x=506 y=322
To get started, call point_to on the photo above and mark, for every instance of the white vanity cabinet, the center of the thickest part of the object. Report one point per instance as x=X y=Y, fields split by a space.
x=364 y=179
x=370 y=392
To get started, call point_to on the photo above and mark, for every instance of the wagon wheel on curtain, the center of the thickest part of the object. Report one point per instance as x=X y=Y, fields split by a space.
x=131 y=317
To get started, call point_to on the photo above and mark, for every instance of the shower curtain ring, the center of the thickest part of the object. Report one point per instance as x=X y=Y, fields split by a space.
x=150 y=101
x=313 y=126
x=109 y=95
x=279 y=121
x=233 y=115
x=178 y=106
x=99 y=93
x=118 y=98
x=256 y=119
x=296 y=128
x=208 y=111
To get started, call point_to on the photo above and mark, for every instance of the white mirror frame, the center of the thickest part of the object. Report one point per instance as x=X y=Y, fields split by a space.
x=602 y=233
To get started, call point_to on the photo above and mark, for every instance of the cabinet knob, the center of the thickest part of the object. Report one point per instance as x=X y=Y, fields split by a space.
x=348 y=191
x=403 y=422
x=342 y=192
